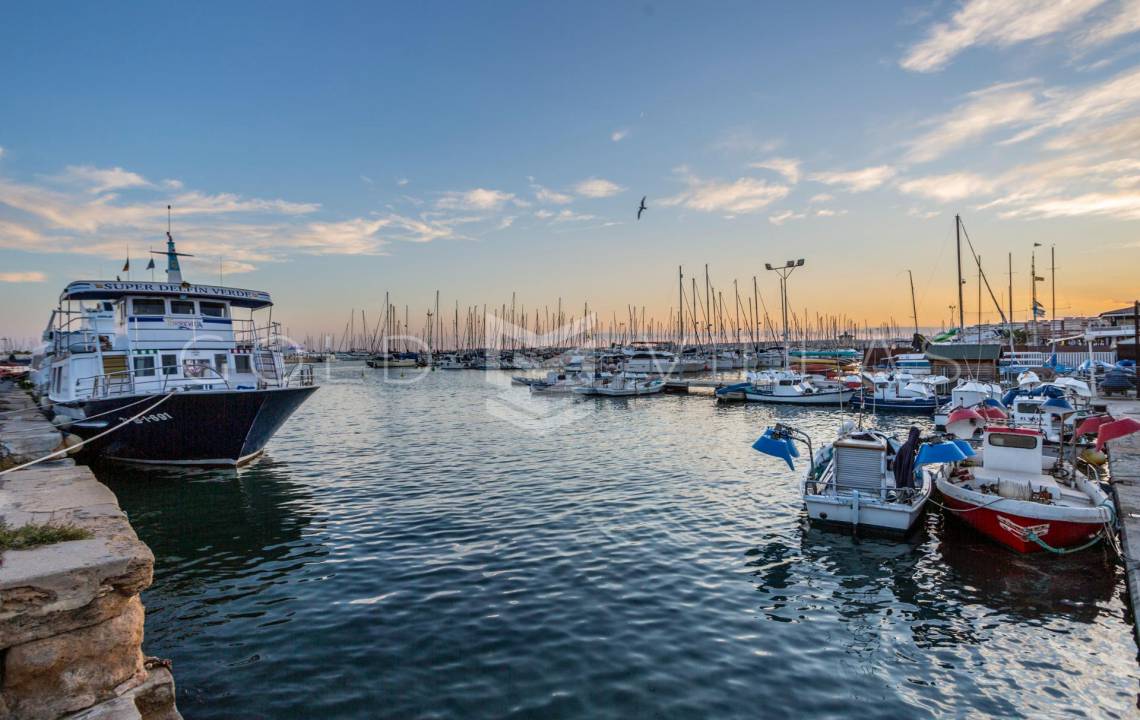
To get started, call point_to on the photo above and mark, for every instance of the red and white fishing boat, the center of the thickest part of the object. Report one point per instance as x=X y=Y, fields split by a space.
x=1014 y=494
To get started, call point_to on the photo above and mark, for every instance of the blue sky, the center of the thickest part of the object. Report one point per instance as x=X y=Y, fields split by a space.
x=331 y=152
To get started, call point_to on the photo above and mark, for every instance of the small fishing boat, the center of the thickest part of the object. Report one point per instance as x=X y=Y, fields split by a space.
x=1015 y=495
x=864 y=478
x=966 y=394
x=621 y=385
x=895 y=393
x=786 y=387
x=392 y=360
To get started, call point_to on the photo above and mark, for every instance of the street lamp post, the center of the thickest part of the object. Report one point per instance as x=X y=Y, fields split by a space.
x=784 y=271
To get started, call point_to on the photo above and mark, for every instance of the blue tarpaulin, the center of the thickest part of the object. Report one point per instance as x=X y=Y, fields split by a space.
x=770 y=443
x=943 y=452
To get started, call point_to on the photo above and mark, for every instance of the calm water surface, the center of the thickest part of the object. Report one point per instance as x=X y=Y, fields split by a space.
x=404 y=551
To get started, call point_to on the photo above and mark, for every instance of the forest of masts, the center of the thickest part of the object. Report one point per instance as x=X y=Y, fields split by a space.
x=707 y=318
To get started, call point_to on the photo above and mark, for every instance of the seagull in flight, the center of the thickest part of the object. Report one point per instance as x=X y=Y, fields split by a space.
x=643 y=208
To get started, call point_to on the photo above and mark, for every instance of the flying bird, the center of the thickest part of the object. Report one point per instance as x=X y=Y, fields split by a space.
x=643 y=208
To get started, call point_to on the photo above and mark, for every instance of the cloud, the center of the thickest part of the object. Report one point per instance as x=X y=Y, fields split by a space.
x=172 y=184
x=2 y=151
x=788 y=167
x=551 y=197
x=597 y=188
x=998 y=23
x=1121 y=206
x=22 y=277
x=477 y=199
x=99 y=180
x=544 y=214
x=744 y=195
x=1116 y=96
x=821 y=198
x=19 y=237
x=857 y=180
x=922 y=214
x=367 y=180
x=1124 y=21
x=347 y=237
x=785 y=216
x=984 y=111
x=619 y=135
x=949 y=187
x=571 y=216
x=506 y=222
x=402 y=182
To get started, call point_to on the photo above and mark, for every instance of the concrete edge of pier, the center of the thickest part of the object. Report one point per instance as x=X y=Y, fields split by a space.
x=71 y=620
x=1124 y=463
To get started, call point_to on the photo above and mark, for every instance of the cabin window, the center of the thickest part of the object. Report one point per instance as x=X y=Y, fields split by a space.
x=1012 y=440
x=148 y=306
x=241 y=364
x=169 y=364
x=181 y=307
x=220 y=363
x=1029 y=408
x=213 y=309
x=144 y=366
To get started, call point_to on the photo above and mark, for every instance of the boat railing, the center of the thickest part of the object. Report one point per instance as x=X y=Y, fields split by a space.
x=141 y=381
x=301 y=373
x=247 y=333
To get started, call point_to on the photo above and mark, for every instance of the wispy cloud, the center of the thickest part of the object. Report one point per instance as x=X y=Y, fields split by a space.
x=999 y=23
x=856 y=180
x=783 y=217
x=744 y=195
x=949 y=187
x=98 y=180
x=33 y=276
x=477 y=199
x=821 y=198
x=999 y=106
x=402 y=182
x=547 y=196
x=788 y=167
x=619 y=135
x=596 y=187
x=1124 y=20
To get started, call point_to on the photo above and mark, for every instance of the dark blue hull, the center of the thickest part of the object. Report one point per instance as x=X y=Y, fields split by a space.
x=212 y=428
x=921 y=406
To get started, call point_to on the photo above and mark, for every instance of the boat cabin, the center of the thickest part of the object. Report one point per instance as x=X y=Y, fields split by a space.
x=126 y=338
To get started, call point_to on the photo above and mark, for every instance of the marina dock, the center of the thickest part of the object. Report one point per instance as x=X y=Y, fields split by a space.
x=71 y=621
x=1125 y=467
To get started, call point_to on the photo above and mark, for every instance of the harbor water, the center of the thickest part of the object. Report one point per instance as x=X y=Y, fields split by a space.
x=456 y=548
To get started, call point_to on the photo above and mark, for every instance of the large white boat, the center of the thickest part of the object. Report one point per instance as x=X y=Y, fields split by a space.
x=173 y=377
x=863 y=478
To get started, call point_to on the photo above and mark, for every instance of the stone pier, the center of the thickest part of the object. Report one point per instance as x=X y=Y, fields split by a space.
x=71 y=621
x=1124 y=463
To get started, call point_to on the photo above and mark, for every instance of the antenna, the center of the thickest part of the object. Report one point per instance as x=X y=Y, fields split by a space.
x=167 y=219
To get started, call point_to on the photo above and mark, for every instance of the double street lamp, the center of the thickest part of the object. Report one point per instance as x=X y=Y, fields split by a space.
x=784 y=271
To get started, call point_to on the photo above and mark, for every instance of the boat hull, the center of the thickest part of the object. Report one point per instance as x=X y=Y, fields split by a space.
x=836 y=397
x=866 y=514
x=922 y=406
x=1002 y=521
x=221 y=428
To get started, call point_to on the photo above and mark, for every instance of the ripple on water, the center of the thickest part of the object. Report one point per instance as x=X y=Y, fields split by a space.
x=401 y=552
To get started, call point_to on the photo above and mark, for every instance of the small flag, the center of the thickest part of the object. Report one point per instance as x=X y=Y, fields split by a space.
x=150 y=265
x=1038 y=310
x=1037 y=278
x=118 y=279
x=127 y=265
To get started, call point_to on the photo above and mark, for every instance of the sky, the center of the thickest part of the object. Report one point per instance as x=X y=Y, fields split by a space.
x=331 y=152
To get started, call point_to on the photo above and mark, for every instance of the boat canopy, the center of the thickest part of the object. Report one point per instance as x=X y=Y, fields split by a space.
x=114 y=290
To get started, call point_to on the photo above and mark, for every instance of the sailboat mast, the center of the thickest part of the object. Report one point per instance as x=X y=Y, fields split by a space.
x=913 y=305
x=958 y=237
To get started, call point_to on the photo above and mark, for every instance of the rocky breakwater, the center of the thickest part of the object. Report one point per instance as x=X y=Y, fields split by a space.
x=71 y=621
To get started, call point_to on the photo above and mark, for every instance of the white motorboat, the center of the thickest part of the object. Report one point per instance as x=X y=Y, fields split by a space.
x=967 y=393
x=622 y=385
x=786 y=387
x=863 y=478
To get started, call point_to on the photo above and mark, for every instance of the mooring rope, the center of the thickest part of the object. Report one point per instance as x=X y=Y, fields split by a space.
x=80 y=444
x=83 y=419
